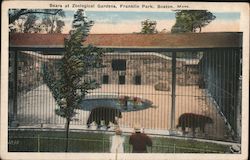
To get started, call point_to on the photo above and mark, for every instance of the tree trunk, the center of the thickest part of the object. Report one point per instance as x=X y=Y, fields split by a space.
x=67 y=135
x=52 y=25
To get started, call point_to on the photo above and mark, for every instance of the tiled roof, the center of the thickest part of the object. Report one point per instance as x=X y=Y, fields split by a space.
x=167 y=40
x=28 y=39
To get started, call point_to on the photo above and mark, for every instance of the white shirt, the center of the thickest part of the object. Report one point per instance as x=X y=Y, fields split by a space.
x=117 y=143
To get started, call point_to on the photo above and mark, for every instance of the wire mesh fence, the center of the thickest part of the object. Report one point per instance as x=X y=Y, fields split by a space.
x=201 y=87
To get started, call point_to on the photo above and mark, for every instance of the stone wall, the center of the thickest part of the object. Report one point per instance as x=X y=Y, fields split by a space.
x=152 y=68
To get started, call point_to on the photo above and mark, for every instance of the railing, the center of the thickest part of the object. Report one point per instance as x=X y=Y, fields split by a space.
x=52 y=144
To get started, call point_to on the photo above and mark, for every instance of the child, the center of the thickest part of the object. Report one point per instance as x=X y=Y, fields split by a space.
x=117 y=142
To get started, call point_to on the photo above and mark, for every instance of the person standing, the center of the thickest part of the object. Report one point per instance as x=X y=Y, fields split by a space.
x=117 y=142
x=139 y=141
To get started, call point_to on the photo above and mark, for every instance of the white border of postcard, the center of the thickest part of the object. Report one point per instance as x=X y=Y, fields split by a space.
x=243 y=8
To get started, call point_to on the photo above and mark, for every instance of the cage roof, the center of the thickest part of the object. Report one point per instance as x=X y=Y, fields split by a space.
x=130 y=41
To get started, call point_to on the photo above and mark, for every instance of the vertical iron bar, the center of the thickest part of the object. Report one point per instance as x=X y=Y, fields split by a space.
x=173 y=90
x=232 y=88
x=15 y=90
x=217 y=86
x=103 y=143
x=174 y=148
x=38 y=143
x=239 y=96
x=118 y=74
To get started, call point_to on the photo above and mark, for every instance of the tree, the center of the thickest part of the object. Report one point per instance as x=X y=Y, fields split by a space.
x=15 y=14
x=191 y=20
x=18 y=25
x=27 y=20
x=148 y=27
x=52 y=23
x=72 y=82
x=29 y=23
x=59 y=26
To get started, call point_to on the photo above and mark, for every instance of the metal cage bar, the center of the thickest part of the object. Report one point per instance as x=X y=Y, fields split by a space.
x=193 y=91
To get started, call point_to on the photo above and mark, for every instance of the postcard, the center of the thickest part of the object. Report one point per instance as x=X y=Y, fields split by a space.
x=124 y=80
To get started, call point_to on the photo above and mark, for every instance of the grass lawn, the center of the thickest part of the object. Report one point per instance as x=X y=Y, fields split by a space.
x=54 y=141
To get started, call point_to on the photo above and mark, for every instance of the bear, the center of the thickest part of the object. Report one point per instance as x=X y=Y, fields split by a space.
x=104 y=113
x=193 y=121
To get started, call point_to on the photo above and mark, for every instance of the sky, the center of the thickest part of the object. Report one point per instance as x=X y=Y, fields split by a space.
x=129 y=22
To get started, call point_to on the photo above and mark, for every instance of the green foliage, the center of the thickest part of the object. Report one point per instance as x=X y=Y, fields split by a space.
x=30 y=23
x=191 y=20
x=73 y=83
x=148 y=27
x=25 y=20
x=59 y=26
x=53 y=23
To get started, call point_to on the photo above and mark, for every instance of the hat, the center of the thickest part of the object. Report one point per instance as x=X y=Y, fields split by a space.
x=137 y=128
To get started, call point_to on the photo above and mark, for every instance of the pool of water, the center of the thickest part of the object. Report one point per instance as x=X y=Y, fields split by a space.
x=123 y=103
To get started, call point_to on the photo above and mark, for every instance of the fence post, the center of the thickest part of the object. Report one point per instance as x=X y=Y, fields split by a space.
x=173 y=90
x=38 y=143
x=174 y=148
x=102 y=144
x=14 y=122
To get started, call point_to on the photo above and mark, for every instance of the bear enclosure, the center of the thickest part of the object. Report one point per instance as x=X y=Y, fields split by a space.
x=192 y=80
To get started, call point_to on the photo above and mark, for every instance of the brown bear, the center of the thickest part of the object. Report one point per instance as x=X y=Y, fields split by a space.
x=193 y=121
x=103 y=113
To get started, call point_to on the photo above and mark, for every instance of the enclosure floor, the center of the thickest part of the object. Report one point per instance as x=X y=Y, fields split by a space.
x=37 y=106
